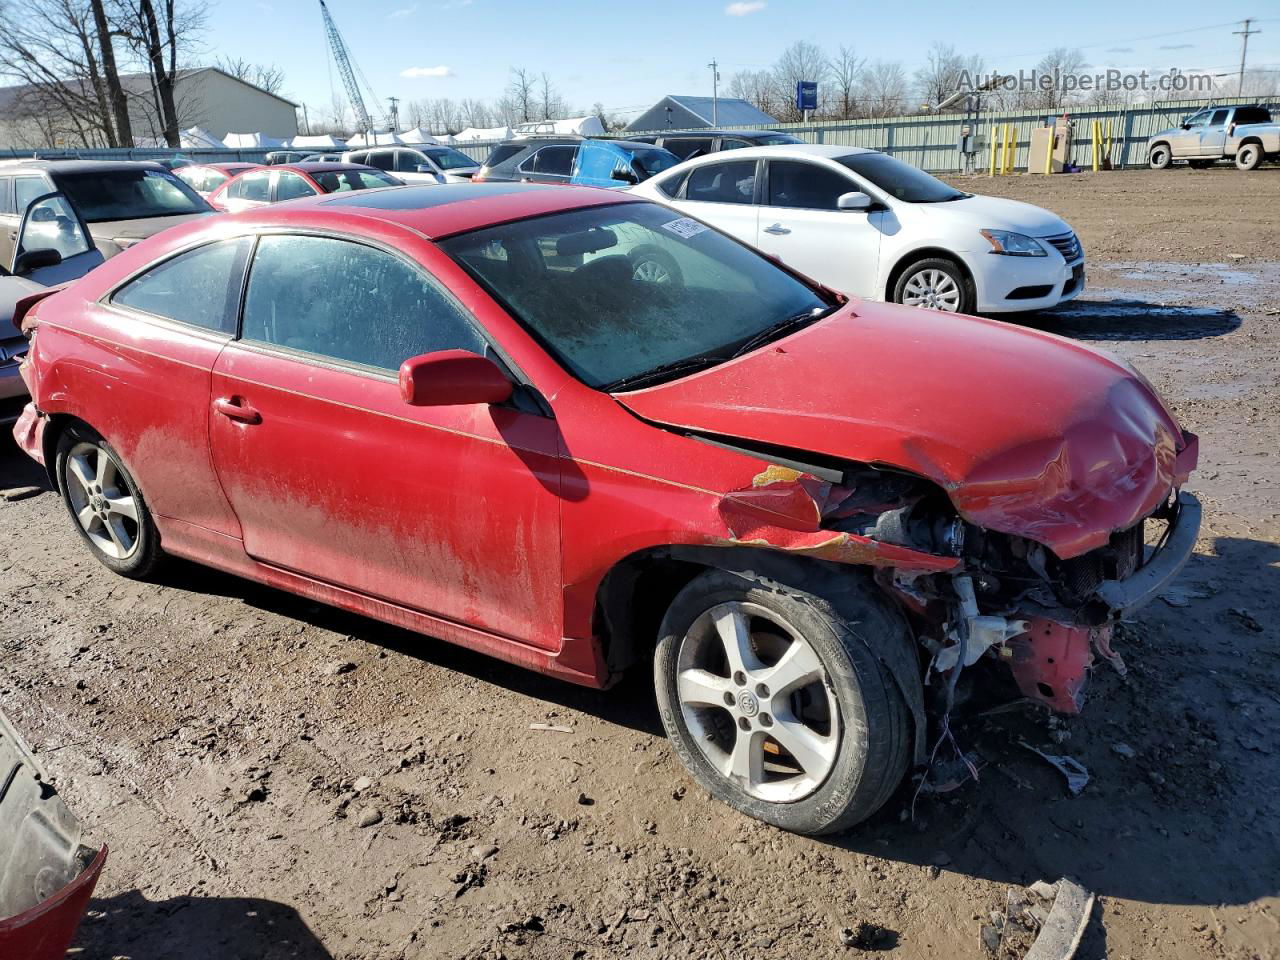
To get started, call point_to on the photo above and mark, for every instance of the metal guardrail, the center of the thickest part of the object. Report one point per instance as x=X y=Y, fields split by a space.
x=928 y=141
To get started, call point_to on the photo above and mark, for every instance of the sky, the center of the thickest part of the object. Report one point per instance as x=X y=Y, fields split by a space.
x=628 y=55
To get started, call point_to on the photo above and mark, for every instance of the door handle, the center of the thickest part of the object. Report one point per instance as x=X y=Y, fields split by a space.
x=777 y=230
x=234 y=409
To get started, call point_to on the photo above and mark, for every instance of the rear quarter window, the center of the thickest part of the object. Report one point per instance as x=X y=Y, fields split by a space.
x=200 y=287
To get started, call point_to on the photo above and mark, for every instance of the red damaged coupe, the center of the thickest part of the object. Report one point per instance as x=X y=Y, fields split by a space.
x=580 y=432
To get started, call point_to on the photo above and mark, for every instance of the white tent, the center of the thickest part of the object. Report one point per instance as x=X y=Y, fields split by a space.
x=490 y=133
x=570 y=127
x=319 y=141
x=200 y=137
x=418 y=135
x=252 y=141
x=378 y=140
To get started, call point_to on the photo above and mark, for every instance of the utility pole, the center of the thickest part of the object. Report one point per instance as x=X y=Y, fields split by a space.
x=395 y=113
x=1245 y=34
x=715 y=93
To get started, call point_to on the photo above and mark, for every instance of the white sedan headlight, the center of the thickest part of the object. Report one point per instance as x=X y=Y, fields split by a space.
x=1011 y=244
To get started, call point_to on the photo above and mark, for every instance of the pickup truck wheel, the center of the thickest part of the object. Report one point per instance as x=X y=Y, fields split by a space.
x=778 y=702
x=105 y=504
x=1248 y=157
x=1159 y=157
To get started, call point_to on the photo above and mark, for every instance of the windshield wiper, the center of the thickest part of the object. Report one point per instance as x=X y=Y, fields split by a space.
x=665 y=371
x=782 y=328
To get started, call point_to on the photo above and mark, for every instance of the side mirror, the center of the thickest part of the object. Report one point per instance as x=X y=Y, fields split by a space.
x=1184 y=125
x=34 y=260
x=452 y=378
x=853 y=200
x=423 y=168
x=625 y=175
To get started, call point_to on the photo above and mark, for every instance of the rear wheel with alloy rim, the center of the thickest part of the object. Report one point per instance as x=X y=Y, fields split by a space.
x=105 y=503
x=937 y=284
x=651 y=265
x=778 y=704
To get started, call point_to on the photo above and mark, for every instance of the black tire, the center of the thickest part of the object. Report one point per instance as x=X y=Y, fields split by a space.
x=650 y=264
x=872 y=729
x=967 y=299
x=1249 y=156
x=1160 y=156
x=76 y=442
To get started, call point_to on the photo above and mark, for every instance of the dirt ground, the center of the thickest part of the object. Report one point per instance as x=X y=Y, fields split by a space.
x=228 y=741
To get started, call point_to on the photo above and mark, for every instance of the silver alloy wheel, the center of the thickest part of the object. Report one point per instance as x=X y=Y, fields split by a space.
x=932 y=288
x=758 y=702
x=104 y=505
x=651 y=271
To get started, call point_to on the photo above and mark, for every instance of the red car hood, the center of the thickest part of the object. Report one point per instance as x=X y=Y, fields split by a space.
x=1030 y=434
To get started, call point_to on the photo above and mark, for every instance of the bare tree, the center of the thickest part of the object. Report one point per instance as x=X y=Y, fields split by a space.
x=520 y=96
x=158 y=32
x=800 y=61
x=846 y=73
x=268 y=78
x=63 y=51
x=1050 y=93
x=884 y=88
x=943 y=74
x=475 y=113
x=756 y=87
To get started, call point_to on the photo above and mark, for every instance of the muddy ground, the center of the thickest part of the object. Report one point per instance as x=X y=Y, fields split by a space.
x=228 y=741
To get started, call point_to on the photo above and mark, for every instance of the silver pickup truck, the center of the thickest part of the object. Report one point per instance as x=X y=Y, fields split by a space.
x=1247 y=135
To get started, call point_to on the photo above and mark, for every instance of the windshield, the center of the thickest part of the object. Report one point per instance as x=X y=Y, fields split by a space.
x=650 y=160
x=447 y=159
x=342 y=181
x=909 y=184
x=615 y=292
x=129 y=195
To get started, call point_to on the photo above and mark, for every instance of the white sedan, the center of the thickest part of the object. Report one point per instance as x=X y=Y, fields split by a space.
x=861 y=222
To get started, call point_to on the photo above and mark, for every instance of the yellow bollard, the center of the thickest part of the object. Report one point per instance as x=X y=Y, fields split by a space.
x=1107 y=152
x=1048 y=154
x=1095 y=129
x=1010 y=145
x=993 y=134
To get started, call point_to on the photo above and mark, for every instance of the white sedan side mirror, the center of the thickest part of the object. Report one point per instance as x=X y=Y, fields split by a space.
x=854 y=200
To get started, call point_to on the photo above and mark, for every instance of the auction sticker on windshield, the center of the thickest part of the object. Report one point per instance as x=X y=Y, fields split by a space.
x=685 y=227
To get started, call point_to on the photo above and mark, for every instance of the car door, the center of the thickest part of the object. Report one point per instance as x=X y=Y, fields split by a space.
x=1185 y=142
x=1213 y=135
x=51 y=223
x=406 y=168
x=26 y=188
x=723 y=194
x=452 y=511
x=550 y=164
x=801 y=225
x=290 y=186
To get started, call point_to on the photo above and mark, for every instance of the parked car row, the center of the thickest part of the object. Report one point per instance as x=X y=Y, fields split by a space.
x=585 y=430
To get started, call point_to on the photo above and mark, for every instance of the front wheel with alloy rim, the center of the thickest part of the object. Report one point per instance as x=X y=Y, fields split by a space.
x=1159 y=157
x=1248 y=157
x=778 y=702
x=937 y=284
x=105 y=503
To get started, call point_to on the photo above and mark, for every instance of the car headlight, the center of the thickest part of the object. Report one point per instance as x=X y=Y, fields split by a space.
x=1010 y=244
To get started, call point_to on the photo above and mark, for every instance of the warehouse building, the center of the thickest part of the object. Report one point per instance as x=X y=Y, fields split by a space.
x=695 y=113
x=206 y=97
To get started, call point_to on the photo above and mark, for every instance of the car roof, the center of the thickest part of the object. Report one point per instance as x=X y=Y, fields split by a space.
x=320 y=166
x=437 y=210
x=718 y=132
x=78 y=166
x=827 y=150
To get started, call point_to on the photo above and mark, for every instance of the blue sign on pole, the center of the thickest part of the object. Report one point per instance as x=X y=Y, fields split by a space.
x=806 y=95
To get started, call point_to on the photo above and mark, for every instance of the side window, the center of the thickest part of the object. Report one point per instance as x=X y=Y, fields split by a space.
x=291 y=186
x=793 y=183
x=200 y=287
x=671 y=185
x=407 y=161
x=362 y=158
x=1198 y=120
x=502 y=153
x=1219 y=118
x=733 y=143
x=382 y=159
x=6 y=195
x=27 y=189
x=733 y=182
x=686 y=147
x=256 y=186
x=51 y=224
x=554 y=161
x=346 y=301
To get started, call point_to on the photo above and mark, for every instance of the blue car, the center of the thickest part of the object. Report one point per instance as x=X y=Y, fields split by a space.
x=592 y=163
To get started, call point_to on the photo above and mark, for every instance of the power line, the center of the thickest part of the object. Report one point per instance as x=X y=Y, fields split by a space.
x=1246 y=33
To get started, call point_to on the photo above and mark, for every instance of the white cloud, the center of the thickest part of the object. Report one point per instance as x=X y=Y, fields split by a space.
x=744 y=7
x=402 y=13
x=416 y=73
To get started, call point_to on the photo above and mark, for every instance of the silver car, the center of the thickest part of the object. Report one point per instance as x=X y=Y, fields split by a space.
x=1247 y=135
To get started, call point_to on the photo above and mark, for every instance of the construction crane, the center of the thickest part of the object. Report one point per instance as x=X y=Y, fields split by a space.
x=348 y=71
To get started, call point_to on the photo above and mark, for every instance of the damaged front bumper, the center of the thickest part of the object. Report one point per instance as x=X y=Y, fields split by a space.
x=1123 y=597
